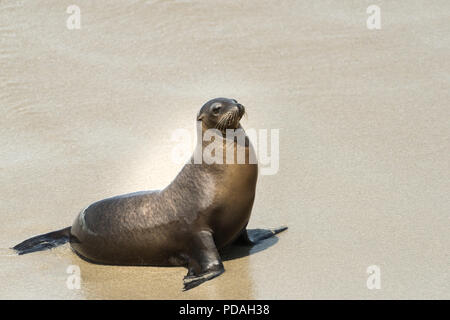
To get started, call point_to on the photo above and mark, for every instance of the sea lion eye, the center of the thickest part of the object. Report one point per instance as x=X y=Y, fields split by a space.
x=216 y=107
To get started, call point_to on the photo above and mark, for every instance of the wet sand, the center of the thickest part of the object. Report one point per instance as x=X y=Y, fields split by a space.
x=364 y=138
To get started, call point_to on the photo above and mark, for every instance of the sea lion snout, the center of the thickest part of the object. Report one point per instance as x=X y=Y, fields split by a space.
x=241 y=109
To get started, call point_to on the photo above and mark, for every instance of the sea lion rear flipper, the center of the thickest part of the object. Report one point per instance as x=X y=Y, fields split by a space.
x=204 y=261
x=43 y=242
x=250 y=237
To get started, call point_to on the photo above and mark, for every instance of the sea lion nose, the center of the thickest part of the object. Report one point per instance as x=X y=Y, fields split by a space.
x=240 y=107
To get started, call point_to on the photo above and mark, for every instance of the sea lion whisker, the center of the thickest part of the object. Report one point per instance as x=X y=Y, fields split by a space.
x=236 y=117
x=224 y=121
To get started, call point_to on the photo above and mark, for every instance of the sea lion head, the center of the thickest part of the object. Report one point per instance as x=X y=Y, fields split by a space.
x=221 y=114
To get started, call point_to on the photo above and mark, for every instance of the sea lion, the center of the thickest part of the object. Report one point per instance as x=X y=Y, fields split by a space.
x=205 y=208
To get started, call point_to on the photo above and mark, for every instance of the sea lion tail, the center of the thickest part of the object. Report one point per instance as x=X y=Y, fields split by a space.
x=43 y=242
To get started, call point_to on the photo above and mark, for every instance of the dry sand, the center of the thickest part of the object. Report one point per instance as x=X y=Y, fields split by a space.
x=364 y=137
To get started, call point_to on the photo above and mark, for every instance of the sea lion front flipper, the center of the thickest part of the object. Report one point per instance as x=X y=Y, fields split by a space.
x=250 y=237
x=243 y=239
x=204 y=261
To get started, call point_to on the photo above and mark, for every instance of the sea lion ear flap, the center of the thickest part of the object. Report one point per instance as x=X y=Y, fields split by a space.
x=200 y=116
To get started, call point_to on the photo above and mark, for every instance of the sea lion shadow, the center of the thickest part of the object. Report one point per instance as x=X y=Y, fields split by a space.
x=239 y=251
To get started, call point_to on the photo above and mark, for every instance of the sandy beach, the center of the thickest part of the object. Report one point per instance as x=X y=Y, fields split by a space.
x=363 y=151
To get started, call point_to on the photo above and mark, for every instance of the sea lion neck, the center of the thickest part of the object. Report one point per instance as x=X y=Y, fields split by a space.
x=215 y=147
